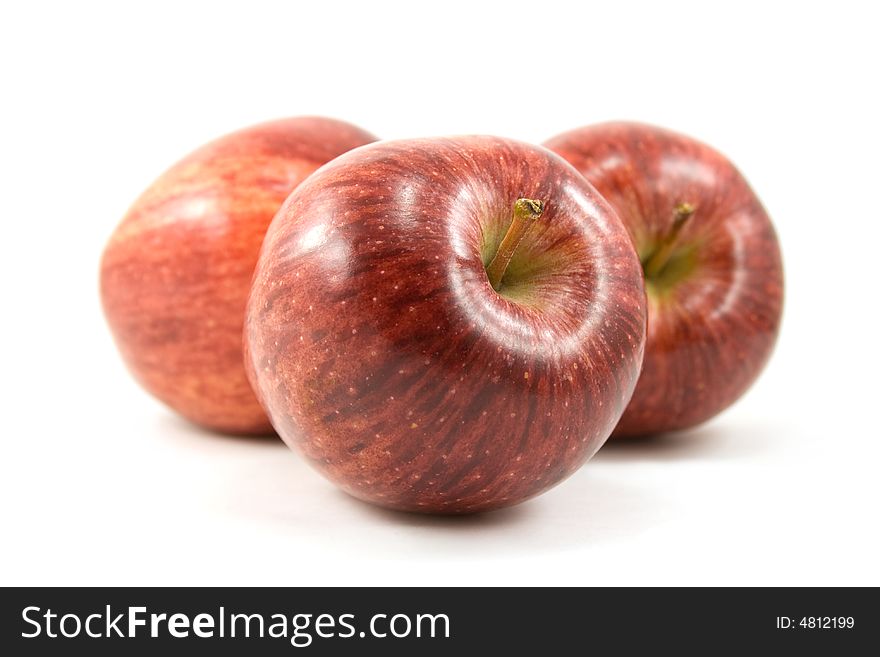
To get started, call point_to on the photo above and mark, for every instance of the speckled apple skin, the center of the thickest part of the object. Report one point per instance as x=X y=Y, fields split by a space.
x=709 y=336
x=382 y=353
x=176 y=273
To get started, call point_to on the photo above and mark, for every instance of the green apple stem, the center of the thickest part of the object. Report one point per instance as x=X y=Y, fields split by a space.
x=658 y=260
x=525 y=212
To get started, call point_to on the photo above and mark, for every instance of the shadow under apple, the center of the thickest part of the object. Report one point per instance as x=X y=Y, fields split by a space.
x=263 y=481
x=724 y=439
x=191 y=435
x=591 y=507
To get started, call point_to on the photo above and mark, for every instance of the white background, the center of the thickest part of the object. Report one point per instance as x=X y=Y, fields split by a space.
x=102 y=485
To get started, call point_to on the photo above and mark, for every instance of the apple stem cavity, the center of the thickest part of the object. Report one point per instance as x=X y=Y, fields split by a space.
x=655 y=264
x=525 y=212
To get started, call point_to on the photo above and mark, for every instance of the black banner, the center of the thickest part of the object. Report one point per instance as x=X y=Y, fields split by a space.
x=113 y=621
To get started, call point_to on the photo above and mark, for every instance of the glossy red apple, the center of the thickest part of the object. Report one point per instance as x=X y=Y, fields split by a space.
x=382 y=351
x=712 y=267
x=176 y=273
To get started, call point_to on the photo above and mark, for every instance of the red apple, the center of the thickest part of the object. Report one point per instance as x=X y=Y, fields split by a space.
x=712 y=266
x=176 y=273
x=382 y=351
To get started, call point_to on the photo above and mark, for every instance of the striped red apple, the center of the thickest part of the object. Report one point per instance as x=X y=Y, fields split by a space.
x=711 y=261
x=446 y=325
x=176 y=272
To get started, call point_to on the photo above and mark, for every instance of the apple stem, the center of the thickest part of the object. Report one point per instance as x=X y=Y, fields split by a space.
x=658 y=260
x=525 y=212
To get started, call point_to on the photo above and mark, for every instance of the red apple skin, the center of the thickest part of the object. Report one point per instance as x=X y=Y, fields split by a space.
x=382 y=353
x=176 y=272
x=711 y=332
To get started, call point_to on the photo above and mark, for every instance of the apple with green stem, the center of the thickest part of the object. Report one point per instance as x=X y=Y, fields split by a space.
x=176 y=272
x=446 y=325
x=712 y=265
